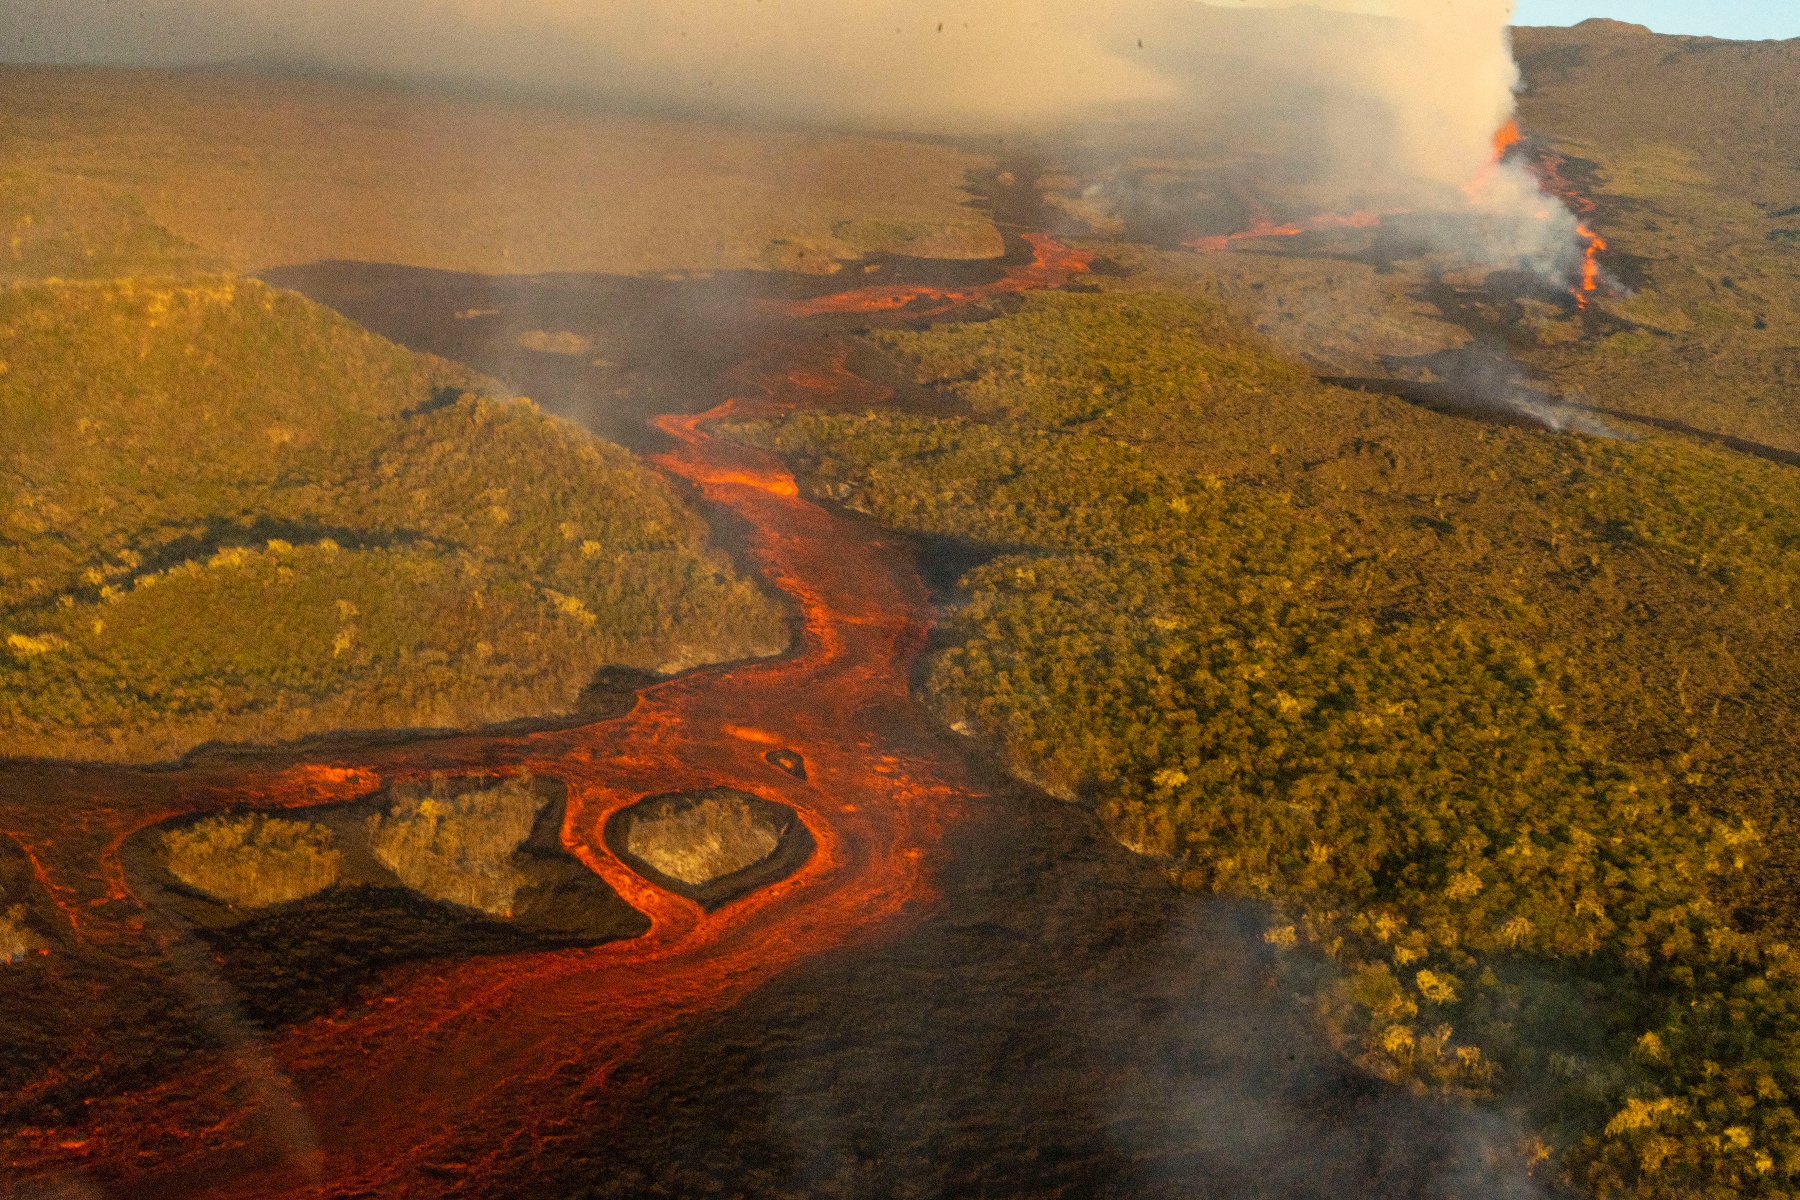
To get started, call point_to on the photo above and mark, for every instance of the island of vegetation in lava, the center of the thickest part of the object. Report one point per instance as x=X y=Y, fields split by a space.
x=960 y=675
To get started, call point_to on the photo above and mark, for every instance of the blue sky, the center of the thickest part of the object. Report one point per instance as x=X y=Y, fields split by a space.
x=1714 y=18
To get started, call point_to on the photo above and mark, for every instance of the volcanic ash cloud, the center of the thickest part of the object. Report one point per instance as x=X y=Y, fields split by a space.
x=1392 y=98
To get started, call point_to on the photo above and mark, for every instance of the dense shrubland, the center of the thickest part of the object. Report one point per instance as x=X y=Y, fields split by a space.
x=1489 y=716
x=458 y=846
x=253 y=860
x=230 y=514
x=71 y=228
x=703 y=837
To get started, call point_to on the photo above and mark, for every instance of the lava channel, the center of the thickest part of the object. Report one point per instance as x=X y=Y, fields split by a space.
x=467 y=1074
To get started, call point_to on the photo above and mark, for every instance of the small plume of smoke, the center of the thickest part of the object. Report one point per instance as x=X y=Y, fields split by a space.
x=1232 y=1089
x=1008 y=1054
x=1487 y=382
x=1564 y=417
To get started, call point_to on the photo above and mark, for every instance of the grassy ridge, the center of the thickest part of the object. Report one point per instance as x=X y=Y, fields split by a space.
x=75 y=229
x=231 y=514
x=1484 y=712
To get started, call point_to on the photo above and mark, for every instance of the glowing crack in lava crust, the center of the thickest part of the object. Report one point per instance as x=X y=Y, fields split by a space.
x=467 y=1071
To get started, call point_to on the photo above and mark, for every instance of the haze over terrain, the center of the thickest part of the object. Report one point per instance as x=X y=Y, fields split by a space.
x=1302 y=519
x=1385 y=105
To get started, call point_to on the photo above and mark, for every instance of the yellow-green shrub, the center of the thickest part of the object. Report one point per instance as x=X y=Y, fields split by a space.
x=458 y=847
x=227 y=513
x=253 y=860
x=697 y=843
x=16 y=941
x=76 y=229
x=1434 y=691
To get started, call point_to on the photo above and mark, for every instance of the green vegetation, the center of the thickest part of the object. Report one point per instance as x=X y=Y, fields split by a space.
x=703 y=837
x=458 y=846
x=1484 y=713
x=254 y=860
x=16 y=941
x=231 y=514
x=75 y=229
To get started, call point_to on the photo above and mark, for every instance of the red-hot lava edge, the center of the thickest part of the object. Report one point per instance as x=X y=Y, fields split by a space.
x=1546 y=167
x=466 y=1071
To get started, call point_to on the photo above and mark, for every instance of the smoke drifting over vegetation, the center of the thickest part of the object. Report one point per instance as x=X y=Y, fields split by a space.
x=1375 y=104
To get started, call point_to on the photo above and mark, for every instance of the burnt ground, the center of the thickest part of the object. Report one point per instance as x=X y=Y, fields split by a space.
x=1064 y=1022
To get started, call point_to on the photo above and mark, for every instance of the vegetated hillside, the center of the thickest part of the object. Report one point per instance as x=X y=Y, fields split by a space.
x=274 y=172
x=1504 y=721
x=230 y=514
x=79 y=229
x=1729 y=104
x=1681 y=153
x=1689 y=148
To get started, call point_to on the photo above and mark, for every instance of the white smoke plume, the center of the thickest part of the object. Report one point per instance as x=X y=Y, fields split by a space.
x=1394 y=99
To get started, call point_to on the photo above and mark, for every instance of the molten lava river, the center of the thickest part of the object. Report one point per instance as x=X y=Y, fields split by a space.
x=966 y=988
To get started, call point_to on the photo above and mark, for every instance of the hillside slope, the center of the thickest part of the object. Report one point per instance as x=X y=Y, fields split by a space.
x=1501 y=720
x=274 y=172
x=230 y=514
x=1688 y=152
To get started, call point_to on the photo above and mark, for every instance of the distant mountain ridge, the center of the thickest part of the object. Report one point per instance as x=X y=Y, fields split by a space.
x=1736 y=105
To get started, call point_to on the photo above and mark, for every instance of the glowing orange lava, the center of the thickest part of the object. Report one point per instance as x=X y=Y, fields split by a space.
x=1261 y=226
x=1505 y=138
x=1051 y=266
x=1547 y=166
x=468 y=1072
x=1590 y=264
x=1548 y=169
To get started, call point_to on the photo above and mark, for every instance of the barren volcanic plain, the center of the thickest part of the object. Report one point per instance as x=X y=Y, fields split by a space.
x=984 y=666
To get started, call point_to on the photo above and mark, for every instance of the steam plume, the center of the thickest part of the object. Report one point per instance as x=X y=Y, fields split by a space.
x=1396 y=100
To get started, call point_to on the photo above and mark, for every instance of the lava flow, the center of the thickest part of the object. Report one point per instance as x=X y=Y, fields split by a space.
x=1505 y=138
x=1261 y=226
x=1051 y=266
x=1590 y=264
x=1547 y=167
x=466 y=1073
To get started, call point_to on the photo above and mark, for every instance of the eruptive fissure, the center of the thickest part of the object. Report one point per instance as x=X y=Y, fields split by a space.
x=468 y=1069
x=1481 y=192
x=1590 y=264
x=1546 y=168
